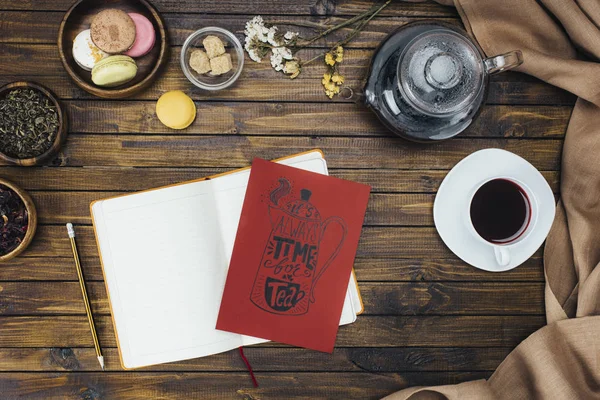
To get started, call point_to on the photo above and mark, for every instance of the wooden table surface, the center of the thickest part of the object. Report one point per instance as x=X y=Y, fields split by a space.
x=429 y=318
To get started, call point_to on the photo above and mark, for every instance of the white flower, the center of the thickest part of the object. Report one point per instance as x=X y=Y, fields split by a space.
x=257 y=33
x=258 y=20
x=284 y=52
x=289 y=36
x=255 y=28
x=276 y=61
x=250 y=46
x=254 y=56
x=271 y=37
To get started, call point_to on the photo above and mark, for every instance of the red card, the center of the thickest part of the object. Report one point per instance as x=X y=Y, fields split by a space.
x=292 y=256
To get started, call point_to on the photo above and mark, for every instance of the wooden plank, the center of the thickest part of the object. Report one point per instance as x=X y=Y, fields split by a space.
x=41 y=27
x=239 y=118
x=303 y=119
x=258 y=81
x=414 y=298
x=447 y=298
x=239 y=151
x=132 y=179
x=410 y=359
x=301 y=7
x=369 y=269
x=217 y=386
x=367 y=331
x=376 y=242
x=382 y=209
x=432 y=269
x=264 y=89
x=29 y=26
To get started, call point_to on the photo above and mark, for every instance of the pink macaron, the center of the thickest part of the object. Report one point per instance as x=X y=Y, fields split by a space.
x=144 y=36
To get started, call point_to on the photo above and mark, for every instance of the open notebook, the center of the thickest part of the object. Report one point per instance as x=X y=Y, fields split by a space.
x=165 y=255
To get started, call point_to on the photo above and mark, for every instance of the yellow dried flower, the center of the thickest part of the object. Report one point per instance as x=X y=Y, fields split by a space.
x=339 y=54
x=337 y=78
x=332 y=81
x=331 y=89
x=292 y=68
x=329 y=60
x=330 y=86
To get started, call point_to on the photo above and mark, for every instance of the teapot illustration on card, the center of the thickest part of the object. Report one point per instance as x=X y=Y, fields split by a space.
x=293 y=261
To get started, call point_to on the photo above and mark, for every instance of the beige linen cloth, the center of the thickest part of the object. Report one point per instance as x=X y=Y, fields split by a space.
x=561 y=360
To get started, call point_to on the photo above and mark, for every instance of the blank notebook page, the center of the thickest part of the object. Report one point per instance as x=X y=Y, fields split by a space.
x=163 y=264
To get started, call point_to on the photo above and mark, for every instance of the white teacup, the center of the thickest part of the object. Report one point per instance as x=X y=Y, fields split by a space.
x=502 y=245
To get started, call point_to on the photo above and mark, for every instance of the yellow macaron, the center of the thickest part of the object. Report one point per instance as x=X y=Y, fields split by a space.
x=175 y=109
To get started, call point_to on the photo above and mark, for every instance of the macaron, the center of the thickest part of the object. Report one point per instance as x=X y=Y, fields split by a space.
x=144 y=36
x=114 y=71
x=113 y=31
x=85 y=52
x=175 y=109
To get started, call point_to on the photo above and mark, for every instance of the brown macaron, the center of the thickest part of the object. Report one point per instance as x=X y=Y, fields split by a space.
x=113 y=31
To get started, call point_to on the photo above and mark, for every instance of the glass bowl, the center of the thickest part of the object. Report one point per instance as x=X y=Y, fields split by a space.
x=208 y=81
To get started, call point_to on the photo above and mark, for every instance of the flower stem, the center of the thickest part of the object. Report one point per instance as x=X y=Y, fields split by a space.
x=361 y=25
x=312 y=59
x=307 y=24
x=351 y=21
x=374 y=11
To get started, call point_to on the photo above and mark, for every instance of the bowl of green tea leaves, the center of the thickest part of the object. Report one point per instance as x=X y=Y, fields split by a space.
x=18 y=220
x=32 y=124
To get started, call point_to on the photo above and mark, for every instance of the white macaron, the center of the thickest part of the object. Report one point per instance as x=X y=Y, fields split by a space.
x=85 y=52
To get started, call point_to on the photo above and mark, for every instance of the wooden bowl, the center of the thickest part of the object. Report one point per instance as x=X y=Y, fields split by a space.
x=32 y=223
x=60 y=137
x=79 y=17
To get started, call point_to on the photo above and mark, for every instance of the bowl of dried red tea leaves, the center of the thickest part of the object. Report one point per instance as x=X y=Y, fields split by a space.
x=32 y=124
x=18 y=220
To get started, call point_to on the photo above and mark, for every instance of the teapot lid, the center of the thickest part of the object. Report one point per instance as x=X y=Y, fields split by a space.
x=440 y=72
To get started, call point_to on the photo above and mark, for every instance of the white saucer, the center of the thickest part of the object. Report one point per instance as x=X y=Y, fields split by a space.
x=454 y=195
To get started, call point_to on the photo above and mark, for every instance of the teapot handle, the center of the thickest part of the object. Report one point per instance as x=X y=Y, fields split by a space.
x=355 y=95
x=503 y=62
x=333 y=255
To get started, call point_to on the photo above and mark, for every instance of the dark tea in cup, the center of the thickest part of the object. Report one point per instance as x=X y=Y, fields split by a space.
x=500 y=211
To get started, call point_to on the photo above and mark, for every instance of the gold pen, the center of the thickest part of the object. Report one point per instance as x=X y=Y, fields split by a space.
x=88 y=309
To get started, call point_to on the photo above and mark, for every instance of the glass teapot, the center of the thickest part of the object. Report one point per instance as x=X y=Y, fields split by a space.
x=428 y=80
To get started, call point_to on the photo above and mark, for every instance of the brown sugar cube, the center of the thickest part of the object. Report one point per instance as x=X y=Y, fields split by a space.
x=214 y=46
x=199 y=62
x=221 y=65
